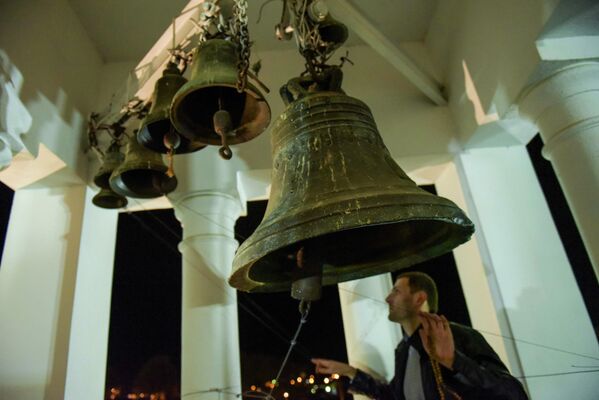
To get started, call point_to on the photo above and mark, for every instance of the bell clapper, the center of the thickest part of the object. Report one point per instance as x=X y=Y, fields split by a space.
x=304 y=308
x=222 y=126
x=170 y=172
x=171 y=142
x=307 y=277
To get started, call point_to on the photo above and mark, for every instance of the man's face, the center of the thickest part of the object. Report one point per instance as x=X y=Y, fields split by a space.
x=403 y=304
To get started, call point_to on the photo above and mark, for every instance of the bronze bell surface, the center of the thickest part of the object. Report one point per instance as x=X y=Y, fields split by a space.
x=109 y=199
x=157 y=132
x=142 y=174
x=213 y=87
x=106 y=197
x=339 y=200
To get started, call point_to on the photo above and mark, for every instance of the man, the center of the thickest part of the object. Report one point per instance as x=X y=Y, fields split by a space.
x=436 y=359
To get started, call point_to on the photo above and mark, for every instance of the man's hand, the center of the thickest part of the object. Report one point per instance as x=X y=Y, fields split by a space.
x=437 y=338
x=329 y=367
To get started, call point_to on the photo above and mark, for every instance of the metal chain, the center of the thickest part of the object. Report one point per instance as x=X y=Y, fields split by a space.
x=312 y=47
x=210 y=15
x=242 y=37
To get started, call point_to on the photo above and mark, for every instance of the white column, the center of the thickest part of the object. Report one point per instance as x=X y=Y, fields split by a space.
x=565 y=108
x=210 y=338
x=88 y=346
x=535 y=282
x=370 y=337
x=37 y=285
x=479 y=286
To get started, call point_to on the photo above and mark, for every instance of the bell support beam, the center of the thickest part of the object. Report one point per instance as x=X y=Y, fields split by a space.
x=535 y=286
x=348 y=14
x=565 y=107
x=210 y=366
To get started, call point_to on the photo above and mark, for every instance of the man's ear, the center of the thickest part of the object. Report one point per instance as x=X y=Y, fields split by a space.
x=421 y=299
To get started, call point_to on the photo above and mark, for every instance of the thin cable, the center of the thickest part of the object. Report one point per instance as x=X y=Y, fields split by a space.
x=243 y=306
x=214 y=390
x=274 y=324
x=176 y=235
x=262 y=9
x=493 y=334
x=292 y=343
x=539 y=345
x=555 y=374
x=228 y=230
x=304 y=318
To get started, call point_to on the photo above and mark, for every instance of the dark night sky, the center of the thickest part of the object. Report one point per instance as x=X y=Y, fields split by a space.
x=146 y=311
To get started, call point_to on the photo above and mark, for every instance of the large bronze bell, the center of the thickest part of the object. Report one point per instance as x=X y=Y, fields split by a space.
x=142 y=174
x=106 y=197
x=213 y=87
x=157 y=132
x=340 y=207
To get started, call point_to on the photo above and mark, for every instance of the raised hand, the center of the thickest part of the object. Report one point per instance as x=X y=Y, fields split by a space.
x=437 y=338
x=328 y=367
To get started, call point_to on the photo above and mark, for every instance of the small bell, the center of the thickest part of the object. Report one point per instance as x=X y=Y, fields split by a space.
x=106 y=197
x=212 y=88
x=143 y=174
x=157 y=132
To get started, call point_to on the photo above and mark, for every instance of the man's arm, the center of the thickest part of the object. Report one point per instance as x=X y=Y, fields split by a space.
x=360 y=381
x=330 y=367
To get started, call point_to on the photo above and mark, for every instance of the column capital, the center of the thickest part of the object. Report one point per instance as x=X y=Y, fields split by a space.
x=563 y=103
x=207 y=213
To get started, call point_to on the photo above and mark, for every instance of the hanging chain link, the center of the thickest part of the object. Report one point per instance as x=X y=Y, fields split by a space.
x=210 y=17
x=242 y=37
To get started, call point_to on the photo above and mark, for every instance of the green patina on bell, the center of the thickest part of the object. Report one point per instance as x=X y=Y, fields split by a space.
x=338 y=196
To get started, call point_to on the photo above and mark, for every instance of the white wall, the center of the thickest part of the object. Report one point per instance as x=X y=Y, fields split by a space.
x=497 y=42
x=37 y=284
x=60 y=67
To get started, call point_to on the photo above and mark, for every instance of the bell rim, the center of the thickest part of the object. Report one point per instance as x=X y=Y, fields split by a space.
x=146 y=139
x=96 y=200
x=243 y=260
x=118 y=185
x=190 y=87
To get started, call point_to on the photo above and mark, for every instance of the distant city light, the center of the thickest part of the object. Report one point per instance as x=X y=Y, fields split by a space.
x=253 y=387
x=311 y=380
x=327 y=389
x=274 y=381
x=335 y=376
x=326 y=380
x=292 y=382
x=313 y=390
x=285 y=395
x=299 y=379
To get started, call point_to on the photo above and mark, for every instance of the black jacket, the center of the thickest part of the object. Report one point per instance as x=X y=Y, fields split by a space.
x=478 y=373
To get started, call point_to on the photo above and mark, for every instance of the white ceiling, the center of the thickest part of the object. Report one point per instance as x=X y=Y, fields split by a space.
x=126 y=30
